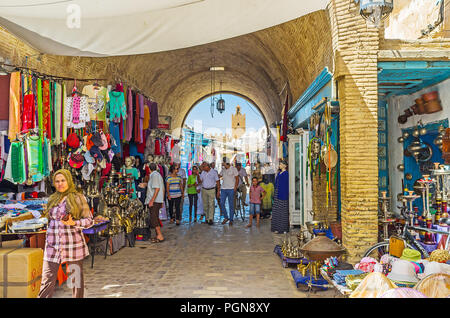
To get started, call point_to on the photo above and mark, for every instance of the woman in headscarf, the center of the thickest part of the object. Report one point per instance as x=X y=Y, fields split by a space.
x=68 y=213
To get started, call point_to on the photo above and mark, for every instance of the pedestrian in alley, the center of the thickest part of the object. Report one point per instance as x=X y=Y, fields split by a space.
x=213 y=167
x=68 y=213
x=230 y=182
x=243 y=183
x=257 y=193
x=200 y=211
x=210 y=182
x=155 y=200
x=192 y=184
x=175 y=191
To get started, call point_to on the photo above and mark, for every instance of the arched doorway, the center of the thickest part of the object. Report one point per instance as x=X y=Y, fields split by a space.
x=239 y=133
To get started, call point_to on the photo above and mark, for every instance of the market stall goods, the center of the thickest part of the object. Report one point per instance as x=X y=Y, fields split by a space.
x=402 y=293
x=374 y=285
x=435 y=286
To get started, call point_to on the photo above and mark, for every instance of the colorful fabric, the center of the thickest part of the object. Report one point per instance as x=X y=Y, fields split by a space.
x=28 y=113
x=267 y=201
x=174 y=186
x=46 y=107
x=97 y=99
x=65 y=243
x=17 y=162
x=14 y=105
x=117 y=106
x=35 y=158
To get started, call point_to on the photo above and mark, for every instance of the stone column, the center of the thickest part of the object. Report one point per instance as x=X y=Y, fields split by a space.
x=355 y=49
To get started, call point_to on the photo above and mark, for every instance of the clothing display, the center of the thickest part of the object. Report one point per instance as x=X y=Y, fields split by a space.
x=97 y=100
x=267 y=201
x=280 y=210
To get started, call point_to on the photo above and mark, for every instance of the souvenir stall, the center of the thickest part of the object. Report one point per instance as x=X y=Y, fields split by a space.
x=412 y=257
x=96 y=132
x=314 y=154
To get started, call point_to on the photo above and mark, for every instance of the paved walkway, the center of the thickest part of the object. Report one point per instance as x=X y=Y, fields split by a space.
x=196 y=260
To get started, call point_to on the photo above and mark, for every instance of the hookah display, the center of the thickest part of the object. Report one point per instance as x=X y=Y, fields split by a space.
x=384 y=201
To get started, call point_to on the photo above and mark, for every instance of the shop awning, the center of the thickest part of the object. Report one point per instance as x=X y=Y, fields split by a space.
x=117 y=27
x=319 y=89
x=407 y=77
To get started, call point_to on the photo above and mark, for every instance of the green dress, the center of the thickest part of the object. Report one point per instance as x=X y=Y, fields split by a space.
x=267 y=201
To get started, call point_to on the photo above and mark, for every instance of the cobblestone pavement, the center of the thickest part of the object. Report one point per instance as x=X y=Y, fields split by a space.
x=195 y=261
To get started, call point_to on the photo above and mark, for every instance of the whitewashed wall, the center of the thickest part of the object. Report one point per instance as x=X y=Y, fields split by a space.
x=396 y=106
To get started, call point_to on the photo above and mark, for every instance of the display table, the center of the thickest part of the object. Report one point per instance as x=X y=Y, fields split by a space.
x=286 y=260
x=344 y=290
x=32 y=238
x=92 y=233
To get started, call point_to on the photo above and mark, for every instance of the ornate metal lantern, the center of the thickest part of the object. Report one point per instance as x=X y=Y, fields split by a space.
x=220 y=105
x=375 y=11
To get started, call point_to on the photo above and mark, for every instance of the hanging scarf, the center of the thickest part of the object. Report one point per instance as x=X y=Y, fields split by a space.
x=40 y=108
x=46 y=107
x=71 y=194
x=17 y=163
x=14 y=105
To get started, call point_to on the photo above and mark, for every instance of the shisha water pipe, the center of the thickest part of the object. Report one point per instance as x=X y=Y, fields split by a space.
x=425 y=183
x=410 y=198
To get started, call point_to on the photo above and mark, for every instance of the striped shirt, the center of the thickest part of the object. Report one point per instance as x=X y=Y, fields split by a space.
x=174 y=186
x=65 y=243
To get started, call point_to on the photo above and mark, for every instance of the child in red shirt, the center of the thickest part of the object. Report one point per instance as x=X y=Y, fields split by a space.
x=256 y=195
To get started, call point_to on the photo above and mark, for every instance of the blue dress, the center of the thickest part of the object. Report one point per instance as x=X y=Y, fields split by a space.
x=280 y=210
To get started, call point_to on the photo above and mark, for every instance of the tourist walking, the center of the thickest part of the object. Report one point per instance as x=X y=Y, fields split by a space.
x=68 y=213
x=230 y=182
x=210 y=182
x=243 y=183
x=155 y=200
x=257 y=193
x=192 y=184
x=175 y=191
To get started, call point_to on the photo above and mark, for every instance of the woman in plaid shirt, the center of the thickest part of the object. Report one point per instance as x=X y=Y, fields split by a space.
x=68 y=213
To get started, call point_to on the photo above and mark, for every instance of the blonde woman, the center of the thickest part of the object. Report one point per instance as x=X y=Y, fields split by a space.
x=68 y=213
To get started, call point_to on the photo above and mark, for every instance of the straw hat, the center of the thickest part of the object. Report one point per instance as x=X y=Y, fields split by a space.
x=403 y=271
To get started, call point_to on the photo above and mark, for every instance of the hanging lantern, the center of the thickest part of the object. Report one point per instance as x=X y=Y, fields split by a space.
x=375 y=11
x=220 y=102
x=221 y=105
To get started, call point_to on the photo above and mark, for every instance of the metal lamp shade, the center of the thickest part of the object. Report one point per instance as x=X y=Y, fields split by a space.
x=221 y=105
x=375 y=11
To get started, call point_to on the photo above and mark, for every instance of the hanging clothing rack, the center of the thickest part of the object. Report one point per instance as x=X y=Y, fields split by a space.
x=51 y=76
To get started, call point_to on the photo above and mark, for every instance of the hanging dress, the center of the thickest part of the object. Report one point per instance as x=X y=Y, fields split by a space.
x=280 y=209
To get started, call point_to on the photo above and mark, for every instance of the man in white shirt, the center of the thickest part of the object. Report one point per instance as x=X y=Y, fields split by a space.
x=209 y=180
x=243 y=183
x=230 y=182
x=155 y=199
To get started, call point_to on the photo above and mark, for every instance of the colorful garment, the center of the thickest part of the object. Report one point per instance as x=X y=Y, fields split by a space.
x=174 y=186
x=255 y=194
x=76 y=112
x=66 y=243
x=46 y=107
x=191 y=181
x=28 y=112
x=98 y=98
x=117 y=106
x=267 y=201
x=35 y=158
x=14 y=105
